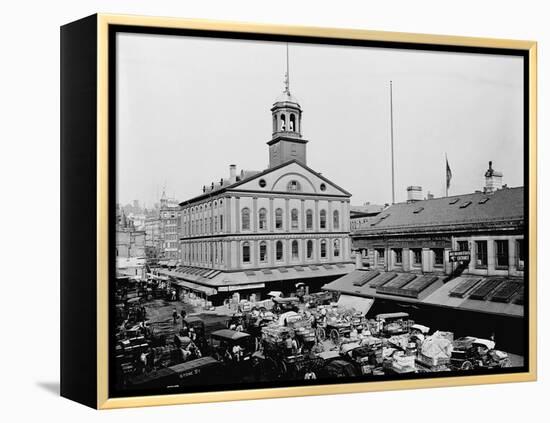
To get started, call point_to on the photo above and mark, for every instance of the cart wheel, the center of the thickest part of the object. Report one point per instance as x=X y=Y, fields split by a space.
x=334 y=336
x=467 y=365
x=284 y=369
x=321 y=334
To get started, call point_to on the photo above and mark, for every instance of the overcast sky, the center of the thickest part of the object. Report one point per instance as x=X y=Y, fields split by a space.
x=188 y=107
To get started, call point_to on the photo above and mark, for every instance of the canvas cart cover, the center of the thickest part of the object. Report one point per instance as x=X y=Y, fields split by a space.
x=436 y=346
x=283 y=317
x=352 y=303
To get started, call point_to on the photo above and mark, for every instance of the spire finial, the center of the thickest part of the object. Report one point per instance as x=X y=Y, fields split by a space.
x=287 y=74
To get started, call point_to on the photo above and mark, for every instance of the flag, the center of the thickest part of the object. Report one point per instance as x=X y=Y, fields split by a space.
x=449 y=173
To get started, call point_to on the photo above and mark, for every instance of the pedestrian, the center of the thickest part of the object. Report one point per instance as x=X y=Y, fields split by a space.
x=183 y=314
x=175 y=316
x=173 y=295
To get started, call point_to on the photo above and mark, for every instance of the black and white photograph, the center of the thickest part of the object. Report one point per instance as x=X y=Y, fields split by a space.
x=294 y=212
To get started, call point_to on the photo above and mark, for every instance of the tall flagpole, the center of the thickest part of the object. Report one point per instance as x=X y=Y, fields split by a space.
x=392 y=157
x=446 y=177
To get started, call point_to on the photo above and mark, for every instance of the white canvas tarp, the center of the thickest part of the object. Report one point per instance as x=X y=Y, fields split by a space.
x=352 y=303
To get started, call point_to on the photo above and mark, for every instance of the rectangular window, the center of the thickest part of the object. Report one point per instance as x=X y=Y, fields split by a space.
x=246 y=252
x=463 y=246
x=417 y=257
x=323 y=248
x=438 y=257
x=263 y=251
x=501 y=247
x=221 y=222
x=398 y=256
x=279 y=219
x=381 y=256
x=520 y=254
x=481 y=254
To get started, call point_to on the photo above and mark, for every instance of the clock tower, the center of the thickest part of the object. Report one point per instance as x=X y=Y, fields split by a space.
x=286 y=143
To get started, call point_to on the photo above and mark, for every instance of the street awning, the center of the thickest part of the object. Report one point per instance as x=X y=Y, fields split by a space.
x=352 y=303
x=241 y=287
x=196 y=287
x=157 y=277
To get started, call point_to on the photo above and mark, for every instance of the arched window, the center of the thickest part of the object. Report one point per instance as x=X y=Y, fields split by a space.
x=336 y=248
x=323 y=219
x=279 y=250
x=294 y=218
x=309 y=248
x=274 y=123
x=283 y=122
x=336 y=219
x=292 y=124
x=262 y=218
x=323 y=248
x=246 y=252
x=309 y=219
x=294 y=186
x=263 y=251
x=245 y=218
x=279 y=219
x=294 y=250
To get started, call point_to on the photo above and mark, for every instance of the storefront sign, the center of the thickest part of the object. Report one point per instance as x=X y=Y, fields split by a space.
x=459 y=256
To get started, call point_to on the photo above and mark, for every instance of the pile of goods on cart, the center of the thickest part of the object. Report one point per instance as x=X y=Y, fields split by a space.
x=473 y=353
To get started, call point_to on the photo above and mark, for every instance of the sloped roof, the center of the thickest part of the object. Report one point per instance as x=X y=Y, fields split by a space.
x=249 y=175
x=367 y=209
x=503 y=205
x=435 y=294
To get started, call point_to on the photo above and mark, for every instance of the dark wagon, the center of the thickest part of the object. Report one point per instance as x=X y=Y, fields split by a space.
x=202 y=371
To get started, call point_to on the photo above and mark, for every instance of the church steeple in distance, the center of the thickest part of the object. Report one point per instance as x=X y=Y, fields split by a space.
x=286 y=143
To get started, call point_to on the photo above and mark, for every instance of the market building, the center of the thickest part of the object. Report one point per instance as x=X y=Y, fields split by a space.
x=257 y=231
x=456 y=260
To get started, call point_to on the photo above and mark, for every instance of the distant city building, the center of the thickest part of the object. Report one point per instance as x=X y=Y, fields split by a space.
x=152 y=233
x=169 y=217
x=262 y=230
x=129 y=241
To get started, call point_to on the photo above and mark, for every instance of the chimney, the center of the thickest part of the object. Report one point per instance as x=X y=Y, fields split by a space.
x=414 y=193
x=232 y=174
x=493 y=180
